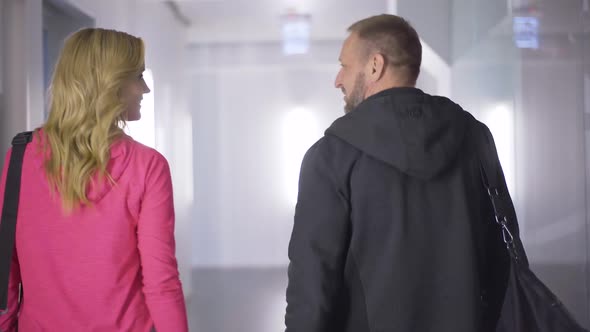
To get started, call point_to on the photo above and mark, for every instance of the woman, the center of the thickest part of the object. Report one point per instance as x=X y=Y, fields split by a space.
x=94 y=246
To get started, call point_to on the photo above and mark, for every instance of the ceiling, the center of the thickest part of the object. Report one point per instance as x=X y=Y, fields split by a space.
x=219 y=21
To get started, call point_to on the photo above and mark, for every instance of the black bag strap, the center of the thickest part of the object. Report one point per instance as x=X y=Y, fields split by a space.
x=495 y=184
x=10 y=211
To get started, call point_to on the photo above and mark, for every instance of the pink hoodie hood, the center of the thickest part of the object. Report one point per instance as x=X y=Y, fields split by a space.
x=97 y=188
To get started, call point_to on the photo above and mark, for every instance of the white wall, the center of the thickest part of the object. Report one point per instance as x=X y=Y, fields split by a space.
x=248 y=146
x=551 y=141
x=432 y=20
x=111 y=14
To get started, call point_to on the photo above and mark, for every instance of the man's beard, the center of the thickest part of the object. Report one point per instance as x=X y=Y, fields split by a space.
x=357 y=95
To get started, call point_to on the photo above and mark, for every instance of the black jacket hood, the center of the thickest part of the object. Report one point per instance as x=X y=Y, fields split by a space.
x=415 y=132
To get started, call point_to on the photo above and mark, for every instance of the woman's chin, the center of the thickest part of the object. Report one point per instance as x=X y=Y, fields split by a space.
x=133 y=116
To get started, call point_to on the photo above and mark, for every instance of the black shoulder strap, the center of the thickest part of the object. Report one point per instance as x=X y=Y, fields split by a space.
x=495 y=183
x=10 y=211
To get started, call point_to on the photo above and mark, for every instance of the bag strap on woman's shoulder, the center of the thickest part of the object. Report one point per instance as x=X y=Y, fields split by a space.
x=10 y=211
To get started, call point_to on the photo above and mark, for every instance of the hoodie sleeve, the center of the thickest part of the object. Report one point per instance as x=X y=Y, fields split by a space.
x=155 y=232
x=319 y=243
x=8 y=319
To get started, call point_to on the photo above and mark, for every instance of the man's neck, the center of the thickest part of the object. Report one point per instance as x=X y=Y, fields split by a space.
x=376 y=88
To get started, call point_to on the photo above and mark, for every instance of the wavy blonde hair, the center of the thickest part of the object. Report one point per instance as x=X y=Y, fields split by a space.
x=86 y=114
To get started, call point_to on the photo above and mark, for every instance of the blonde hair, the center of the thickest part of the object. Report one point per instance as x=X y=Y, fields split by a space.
x=86 y=113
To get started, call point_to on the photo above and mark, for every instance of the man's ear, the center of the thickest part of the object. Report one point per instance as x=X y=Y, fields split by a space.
x=376 y=67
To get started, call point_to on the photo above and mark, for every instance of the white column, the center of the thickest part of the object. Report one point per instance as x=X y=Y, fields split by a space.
x=23 y=68
x=34 y=63
x=392 y=6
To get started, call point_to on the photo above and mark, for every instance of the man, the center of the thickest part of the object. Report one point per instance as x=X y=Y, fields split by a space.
x=393 y=228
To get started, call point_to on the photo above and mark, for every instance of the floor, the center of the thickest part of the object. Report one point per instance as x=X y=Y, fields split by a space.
x=238 y=299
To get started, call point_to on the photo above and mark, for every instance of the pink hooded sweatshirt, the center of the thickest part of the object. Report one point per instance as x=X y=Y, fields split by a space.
x=106 y=267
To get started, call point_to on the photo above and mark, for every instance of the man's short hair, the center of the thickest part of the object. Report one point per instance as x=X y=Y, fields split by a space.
x=394 y=38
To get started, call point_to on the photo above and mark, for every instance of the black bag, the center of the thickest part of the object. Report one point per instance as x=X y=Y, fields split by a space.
x=10 y=212
x=529 y=306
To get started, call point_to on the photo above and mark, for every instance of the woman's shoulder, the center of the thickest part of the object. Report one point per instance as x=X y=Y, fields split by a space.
x=140 y=152
x=135 y=161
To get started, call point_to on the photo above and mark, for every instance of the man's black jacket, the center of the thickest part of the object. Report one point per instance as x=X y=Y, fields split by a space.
x=393 y=229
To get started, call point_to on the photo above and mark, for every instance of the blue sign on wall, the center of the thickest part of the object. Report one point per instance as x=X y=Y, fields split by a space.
x=296 y=30
x=526 y=32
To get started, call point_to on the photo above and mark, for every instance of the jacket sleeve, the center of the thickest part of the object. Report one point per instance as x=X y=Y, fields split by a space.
x=8 y=319
x=318 y=246
x=155 y=232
